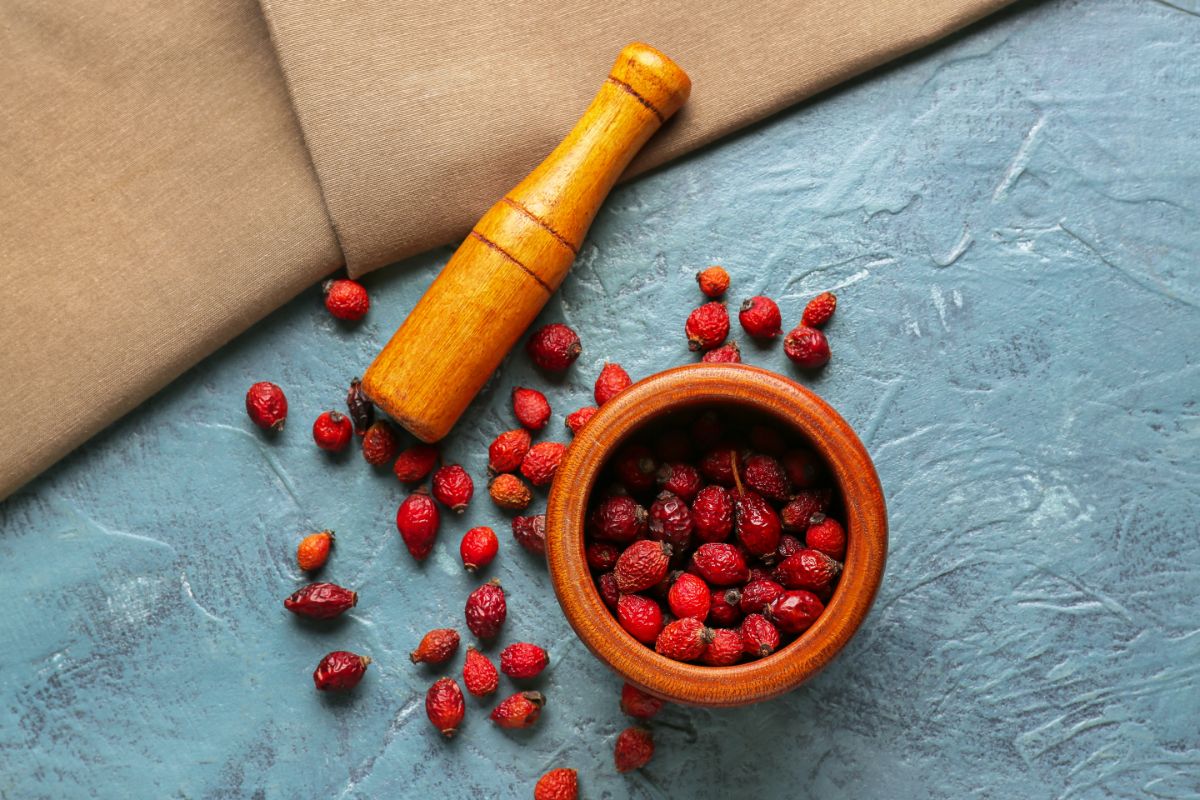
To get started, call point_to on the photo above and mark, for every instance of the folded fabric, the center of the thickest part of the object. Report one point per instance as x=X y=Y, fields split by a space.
x=158 y=195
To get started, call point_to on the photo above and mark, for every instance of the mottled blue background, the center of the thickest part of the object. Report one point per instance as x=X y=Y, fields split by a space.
x=1010 y=221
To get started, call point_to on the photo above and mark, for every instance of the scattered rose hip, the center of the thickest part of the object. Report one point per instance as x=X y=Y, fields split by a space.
x=807 y=347
x=479 y=673
x=478 y=547
x=707 y=326
x=554 y=347
x=541 y=462
x=713 y=281
x=444 y=705
x=639 y=704
x=339 y=671
x=634 y=749
x=612 y=380
x=414 y=464
x=577 y=419
x=361 y=410
x=507 y=451
x=453 y=487
x=557 y=784
x=267 y=406
x=728 y=353
x=531 y=408
x=313 y=550
x=436 y=647
x=519 y=711
x=346 y=299
x=523 y=660
x=760 y=317
x=418 y=519
x=321 y=601
x=486 y=610
x=702 y=555
x=819 y=310
x=530 y=533
x=332 y=431
x=380 y=444
x=510 y=492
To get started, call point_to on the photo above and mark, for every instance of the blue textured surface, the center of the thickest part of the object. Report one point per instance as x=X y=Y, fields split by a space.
x=1011 y=223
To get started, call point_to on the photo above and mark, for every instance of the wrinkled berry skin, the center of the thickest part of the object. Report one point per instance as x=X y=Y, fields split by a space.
x=683 y=640
x=577 y=419
x=523 y=660
x=724 y=650
x=531 y=408
x=759 y=637
x=380 y=444
x=618 y=519
x=720 y=564
x=807 y=347
x=788 y=545
x=808 y=569
x=486 y=610
x=507 y=451
x=340 y=671
x=712 y=514
x=798 y=513
x=554 y=347
x=418 y=519
x=826 y=535
x=453 y=487
x=479 y=673
x=639 y=704
x=634 y=466
x=519 y=711
x=436 y=647
x=707 y=326
x=766 y=476
x=313 y=551
x=794 y=611
x=713 y=281
x=557 y=784
x=634 y=749
x=757 y=594
x=415 y=463
x=332 y=431
x=321 y=601
x=478 y=548
x=613 y=380
x=689 y=597
x=530 y=533
x=728 y=353
x=346 y=299
x=671 y=521
x=541 y=462
x=757 y=525
x=724 y=608
x=680 y=479
x=760 y=318
x=642 y=565
x=601 y=556
x=510 y=492
x=267 y=406
x=819 y=310
x=361 y=411
x=444 y=706
x=640 y=616
x=719 y=465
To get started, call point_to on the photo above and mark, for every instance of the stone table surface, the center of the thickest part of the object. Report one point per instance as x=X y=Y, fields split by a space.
x=1010 y=222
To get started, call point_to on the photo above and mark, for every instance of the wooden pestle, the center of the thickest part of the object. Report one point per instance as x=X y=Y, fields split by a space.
x=519 y=252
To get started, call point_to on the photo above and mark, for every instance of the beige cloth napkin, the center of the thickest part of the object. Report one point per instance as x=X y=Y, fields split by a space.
x=157 y=197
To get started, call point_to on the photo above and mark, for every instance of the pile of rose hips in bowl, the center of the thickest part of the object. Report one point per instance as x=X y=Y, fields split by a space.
x=715 y=539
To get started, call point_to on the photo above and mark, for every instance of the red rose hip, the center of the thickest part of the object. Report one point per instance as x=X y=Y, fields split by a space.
x=794 y=611
x=819 y=310
x=554 y=347
x=683 y=639
x=523 y=660
x=478 y=547
x=531 y=408
x=808 y=569
x=530 y=533
x=728 y=353
x=707 y=326
x=640 y=616
x=510 y=492
x=418 y=519
x=321 y=601
x=346 y=299
x=826 y=535
x=519 y=711
x=639 y=704
x=479 y=673
x=332 y=431
x=507 y=451
x=486 y=610
x=557 y=784
x=760 y=318
x=643 y=564
x=577 y=419
x=415 y=463
x=380 y=444
x=618 y=519
x=436 y=647
x=453 y=487
x=712 y=514
x=444 y=706
x=634 y=749
x=720 y=564
x=724 y=650
x=759 y=637
x=267 y=406
x=612 y=381
x=807 y=347
x=340 y=671
x=541 y=462
x=689 y=597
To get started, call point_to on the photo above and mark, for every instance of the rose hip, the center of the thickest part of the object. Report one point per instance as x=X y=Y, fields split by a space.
x=444 y=706
x=380 y=444
x=267 y=406
x=788 y=545
x=806 y=347
x=713 y=281
x=557 y=784
x=808 y=569
x=827 y=535
x=415 y=463
x=819 y=310
x=618 y=519
x=478 y=547
x=724 y=650
x=707 y=326
x=689 y=597
x=577 y=419
x=486 y=610
x=453 y=487
x=760 y=317
x=766 y=476
x=346 y=299
x=554 y=347
x=728 y=353
x=510 y=492
x=639 y=704
x=794 y=611
x=613 y=380
x=683 y=639
x=531 y=408
x=541 y=462
x=756 y=524
x=519 y=711
x=507 y=450
x=523 y=660
x=680 y=479
x=479 y=673
x=606 y=587
x=362 y=412
x=530 y=533
x=756 y=594
x=601 y=556
x=321 y=601
x=634 y=749
x=759 y=637
x=634 y=466
x=718 y=465
x=671 y=521
x=340 y=671
x=640 y=616
x=313 y=551
x=797 y=514
x=642 y=565
x=418 y=519
x=332 y=431
x=720 y=564
x=724 y=609
x=436 y=647
x=712 y=514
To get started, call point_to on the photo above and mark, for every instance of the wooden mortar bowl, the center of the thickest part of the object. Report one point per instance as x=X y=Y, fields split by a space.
x=759 y=392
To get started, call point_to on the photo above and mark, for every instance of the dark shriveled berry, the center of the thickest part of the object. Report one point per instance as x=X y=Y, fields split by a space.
x=321 y=601
x=486 y=610
x=340 y=671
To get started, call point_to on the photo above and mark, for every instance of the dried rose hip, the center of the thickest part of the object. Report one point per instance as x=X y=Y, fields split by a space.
x=640 y=616
x=806 y=347
x=531 y=408
x=643 y=564
x=267 y=406
x=683 y=639
x=321 y=601
x=509 y=492
x=634 y=749
x=436 y=647
x=415 y=463
x=680 y=479
x=788 y=545
x=755 y=522
x=819 y=310
x=689 y=597
x=639 y=704
x=332 y=431
x=313 y=551
x=712 y=514
x=577 y=419
x=541 y=462
x=507 y=450
x=444 y=705
x=523 y=660
x=601 y=556
x=718 y=465
x=671 y=521
x=724 y=608
x=724 y=650
x=606 y=587
x=557 y=784
x=766 y=476
x=797 y=514
x=478 y=547
x=827 y=535
x=756 y=594
x=634 y=466
x=346 y=299
x=808 y=569
x=486 y=610
x=728 y=353
x=479 y=673
x=612 y=381
x=530 y=533
x=794 y=611
x=418 y=519
x=362 y=412
x=554 y=347
x=618 y=519
x=339 y=671
x=380 y=444
x=519 y=711
x=453 y=487
x=759 y=637
x=707 y=326
x=760 y=318
x=803 y=468
x=720 y=564
x=713 y=281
